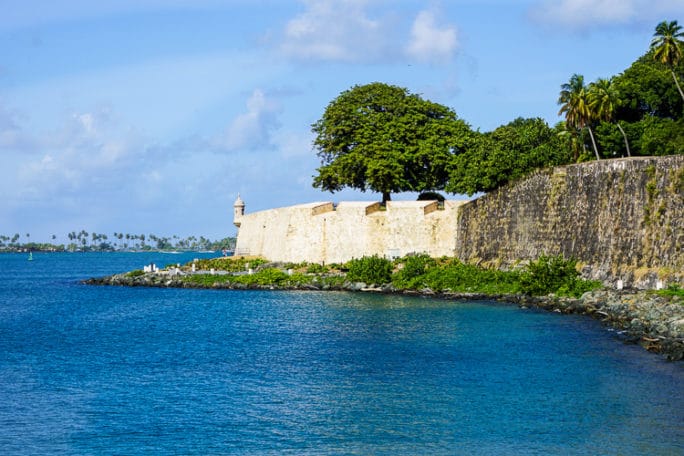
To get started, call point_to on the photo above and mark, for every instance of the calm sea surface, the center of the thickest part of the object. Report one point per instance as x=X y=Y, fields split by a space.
x=109 y=370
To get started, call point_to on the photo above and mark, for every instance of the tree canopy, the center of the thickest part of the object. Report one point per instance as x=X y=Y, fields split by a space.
x=382 y=138
x=575 y=104
x=667 y=43
x=507 y=153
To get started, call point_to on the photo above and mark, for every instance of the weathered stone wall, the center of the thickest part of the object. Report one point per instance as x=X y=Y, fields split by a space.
x=320 y=232
x=623 y=218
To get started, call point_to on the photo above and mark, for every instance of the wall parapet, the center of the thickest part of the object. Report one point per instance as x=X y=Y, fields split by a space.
x=323 y=233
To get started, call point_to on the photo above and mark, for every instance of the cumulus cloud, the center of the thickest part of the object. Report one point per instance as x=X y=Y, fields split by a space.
x=339 y=30
x=88 y=152
x=581 y=14
x=431 y=42
x=360 y=31
x=253 y=128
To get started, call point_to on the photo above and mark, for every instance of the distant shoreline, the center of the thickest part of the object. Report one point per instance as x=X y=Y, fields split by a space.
x=172 y=251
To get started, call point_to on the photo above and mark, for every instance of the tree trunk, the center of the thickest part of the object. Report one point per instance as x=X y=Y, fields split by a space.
x=674 y=76
x=386 y=197
x=593 y=142
x=629 y=154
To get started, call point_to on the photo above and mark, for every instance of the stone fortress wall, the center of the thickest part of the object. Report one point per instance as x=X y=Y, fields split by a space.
x=621 y=219
x=323 y=233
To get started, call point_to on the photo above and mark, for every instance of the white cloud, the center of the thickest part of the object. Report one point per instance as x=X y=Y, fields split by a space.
x=336 y=30
x=252 y=129
x=358 y=31
x=88 y=154
x=429 y=41
x=581 y=14
x=147 y=93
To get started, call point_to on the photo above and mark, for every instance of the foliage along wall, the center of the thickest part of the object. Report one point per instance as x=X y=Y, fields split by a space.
x=623 y=219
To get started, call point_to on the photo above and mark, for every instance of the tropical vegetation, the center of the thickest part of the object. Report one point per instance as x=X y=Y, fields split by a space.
x=419 y=272
x=575 y=104
x=667 y=47
x=85 y=241
x=382 y=138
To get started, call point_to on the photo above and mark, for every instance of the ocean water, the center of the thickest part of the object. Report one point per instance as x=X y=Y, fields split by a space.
x=113 y=370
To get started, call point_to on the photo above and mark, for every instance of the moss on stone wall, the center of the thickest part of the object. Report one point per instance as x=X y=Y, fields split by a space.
x=615 y=216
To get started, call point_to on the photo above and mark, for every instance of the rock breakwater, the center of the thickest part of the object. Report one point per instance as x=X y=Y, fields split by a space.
x=653 y=321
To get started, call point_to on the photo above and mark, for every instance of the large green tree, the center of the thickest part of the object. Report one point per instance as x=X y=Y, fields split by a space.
x=574 y=101
x=667 y=46
x=382 y=138
x=506 y=154
x=646 y=89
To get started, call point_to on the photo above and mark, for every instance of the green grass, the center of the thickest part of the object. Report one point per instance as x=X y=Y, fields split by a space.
x=672 y=291
x=228 y=264
x=542 y=277
x=265 y=277
x=135 y=273
x=206 y=280
x=547 y=275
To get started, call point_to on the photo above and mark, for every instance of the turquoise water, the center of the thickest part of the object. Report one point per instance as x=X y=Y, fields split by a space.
x=109 y=370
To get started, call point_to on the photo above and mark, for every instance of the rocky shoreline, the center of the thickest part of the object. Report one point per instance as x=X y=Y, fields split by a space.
x=653 y=321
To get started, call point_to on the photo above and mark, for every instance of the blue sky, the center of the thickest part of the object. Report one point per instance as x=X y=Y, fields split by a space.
x=149 y=116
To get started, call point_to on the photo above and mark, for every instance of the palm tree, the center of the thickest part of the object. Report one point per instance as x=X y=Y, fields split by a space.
x=574 y=101
x=666 y=45
x=603 y=100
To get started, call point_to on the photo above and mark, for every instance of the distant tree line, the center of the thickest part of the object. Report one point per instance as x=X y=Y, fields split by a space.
x=84 y=241
x=382 y=138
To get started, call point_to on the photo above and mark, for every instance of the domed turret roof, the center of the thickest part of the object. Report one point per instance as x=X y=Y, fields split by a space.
x=239 y=202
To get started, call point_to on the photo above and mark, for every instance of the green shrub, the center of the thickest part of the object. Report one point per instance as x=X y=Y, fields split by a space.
x=271 y=276
x=555 y=274
x=370 y=270
x=431 y=196
x=578 y=287
x=329 y=281
x=316 y=268
x=229 y=264
x=207 y=280
x=135 y=273
x=268 y=276
x=411 y=276
x=456 y=276
x=672 y=290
